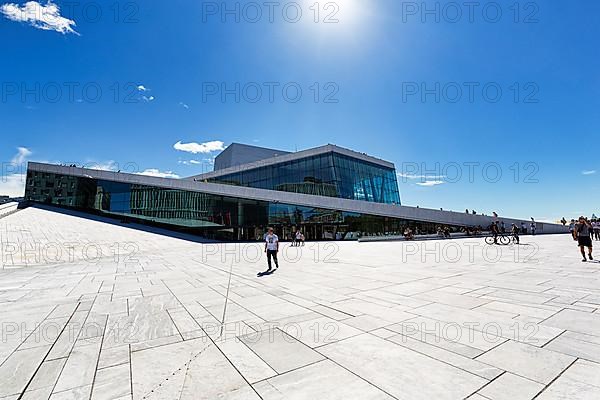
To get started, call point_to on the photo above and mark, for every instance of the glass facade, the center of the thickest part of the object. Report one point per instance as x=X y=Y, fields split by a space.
x=208 y=215
x=330 y=174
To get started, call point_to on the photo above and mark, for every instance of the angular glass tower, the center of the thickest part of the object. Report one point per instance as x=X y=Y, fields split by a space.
x=324 y=171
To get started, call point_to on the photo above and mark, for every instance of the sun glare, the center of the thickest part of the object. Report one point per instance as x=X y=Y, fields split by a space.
x=336 y=17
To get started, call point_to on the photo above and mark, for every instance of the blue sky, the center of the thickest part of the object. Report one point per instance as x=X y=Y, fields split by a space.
x=120 y=84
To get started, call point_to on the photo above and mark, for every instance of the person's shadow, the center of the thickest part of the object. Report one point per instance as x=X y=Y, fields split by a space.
x=266 y=273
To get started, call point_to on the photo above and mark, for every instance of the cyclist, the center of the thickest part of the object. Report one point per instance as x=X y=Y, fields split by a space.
x=495 y=231
x=515 y=233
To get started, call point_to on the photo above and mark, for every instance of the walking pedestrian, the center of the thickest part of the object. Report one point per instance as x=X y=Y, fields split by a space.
x=272 y=248
x=533 y=228
x=596 y=227
x=572 y=227
x=515 y=233
x=582 y=235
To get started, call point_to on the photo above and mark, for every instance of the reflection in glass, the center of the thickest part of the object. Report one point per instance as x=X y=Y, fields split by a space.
x=214 y=216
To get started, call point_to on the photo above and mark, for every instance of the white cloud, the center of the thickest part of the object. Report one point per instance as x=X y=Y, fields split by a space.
x=422 y=177
x=430 y=183
x=143 y=89
x=589 y=172
x=21 y=156
x=102 y=165
x=46 y=17
x=425 y=180
x=204 y=148
x=155 y=172
x=190 y=162
x=12 y=185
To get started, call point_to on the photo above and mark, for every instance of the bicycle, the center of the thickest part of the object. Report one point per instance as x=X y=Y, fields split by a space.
x=501 y=239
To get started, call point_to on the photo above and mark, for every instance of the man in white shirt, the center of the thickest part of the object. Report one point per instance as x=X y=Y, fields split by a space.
x=272 y=248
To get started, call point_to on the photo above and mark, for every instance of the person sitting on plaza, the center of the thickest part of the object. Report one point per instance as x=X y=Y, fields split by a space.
x=447 y=232
x=293 y=239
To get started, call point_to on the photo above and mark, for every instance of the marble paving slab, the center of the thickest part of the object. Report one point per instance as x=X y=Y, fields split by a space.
x=372 y=325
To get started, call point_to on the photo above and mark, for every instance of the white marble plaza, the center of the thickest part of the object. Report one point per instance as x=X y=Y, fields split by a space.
x=96 y=310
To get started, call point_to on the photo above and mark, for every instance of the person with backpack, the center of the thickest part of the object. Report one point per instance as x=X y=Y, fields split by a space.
x=582 y=234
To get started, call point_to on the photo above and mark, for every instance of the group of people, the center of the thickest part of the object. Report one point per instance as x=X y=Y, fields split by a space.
x=298 y=238
x=443 y=232
x=583 y=231
x=594 y=223
x=472 y=231
x=498 y=228
x=409 y=234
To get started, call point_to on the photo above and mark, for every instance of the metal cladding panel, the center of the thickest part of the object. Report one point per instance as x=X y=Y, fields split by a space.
x=239 y=154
